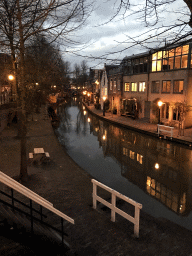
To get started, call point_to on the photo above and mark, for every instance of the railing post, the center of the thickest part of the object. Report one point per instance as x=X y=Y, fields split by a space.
x=94 y=196
x=31 y=212
x=62 y=235
x=41 y=212
x=113 y=202
x=136 y=224
x=12 y=198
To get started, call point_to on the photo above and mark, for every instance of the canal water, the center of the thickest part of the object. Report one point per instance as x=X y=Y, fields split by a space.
x=151 y=171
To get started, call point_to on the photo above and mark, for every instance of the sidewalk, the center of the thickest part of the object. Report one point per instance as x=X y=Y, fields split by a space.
x=69 y=188
x=141 y=126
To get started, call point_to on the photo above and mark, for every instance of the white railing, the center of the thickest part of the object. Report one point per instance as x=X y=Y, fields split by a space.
x=112 y=205
x=5 y=179
x=164 y=128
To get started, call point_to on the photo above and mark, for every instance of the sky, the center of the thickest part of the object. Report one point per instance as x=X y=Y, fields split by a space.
x=100 y=36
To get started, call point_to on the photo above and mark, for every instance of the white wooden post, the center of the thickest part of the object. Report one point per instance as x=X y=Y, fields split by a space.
x=113 y=202
x=136 y=224
x=94 y=196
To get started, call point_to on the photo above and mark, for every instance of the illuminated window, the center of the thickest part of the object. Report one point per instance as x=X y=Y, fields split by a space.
x=132 y=154
x=155 y=87
x=173 y=59
x=125 y=151
x=134 y=87
x=178 y=86
x=105 y=91
x=140 y=158
x=114 y=85
x=142 y=86
x=166 y=87
x=127 y=87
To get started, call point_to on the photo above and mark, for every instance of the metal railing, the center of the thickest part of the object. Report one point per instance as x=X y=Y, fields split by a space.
x=164 y=128
x=112 y=205
x=33 y=197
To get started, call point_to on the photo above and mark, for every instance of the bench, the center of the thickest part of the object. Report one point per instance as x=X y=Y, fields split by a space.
x=39 y=155
x=164 y=128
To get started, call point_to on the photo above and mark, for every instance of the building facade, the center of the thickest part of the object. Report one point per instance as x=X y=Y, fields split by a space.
x=115 y=89
x=164 y=75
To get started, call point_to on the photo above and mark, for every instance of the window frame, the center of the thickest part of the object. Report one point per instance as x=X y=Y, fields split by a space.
x=128 y=87
x=177 y=80
x=166 y=87
x=152 y=87
x=135 y=86
x=142 y=86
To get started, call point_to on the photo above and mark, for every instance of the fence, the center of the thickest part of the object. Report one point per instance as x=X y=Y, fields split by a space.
x=112 y=205
x=164 y=128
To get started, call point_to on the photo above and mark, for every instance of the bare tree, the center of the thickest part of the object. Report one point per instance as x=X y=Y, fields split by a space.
x=22 y=19
x=152 y=14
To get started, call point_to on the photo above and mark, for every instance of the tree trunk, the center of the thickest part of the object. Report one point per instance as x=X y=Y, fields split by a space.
x=22 y=119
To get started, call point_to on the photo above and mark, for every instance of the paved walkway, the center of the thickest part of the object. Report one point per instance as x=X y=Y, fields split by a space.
x=142 y=126
x=69 y=188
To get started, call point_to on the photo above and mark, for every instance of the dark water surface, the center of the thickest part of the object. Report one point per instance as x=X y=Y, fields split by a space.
x=151 y=171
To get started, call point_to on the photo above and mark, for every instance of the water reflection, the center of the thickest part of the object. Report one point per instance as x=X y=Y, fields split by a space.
x=159 y=168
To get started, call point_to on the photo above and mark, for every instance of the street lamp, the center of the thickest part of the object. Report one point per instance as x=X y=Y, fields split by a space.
x=104 y=98
x=160 y=103
x=11 y=78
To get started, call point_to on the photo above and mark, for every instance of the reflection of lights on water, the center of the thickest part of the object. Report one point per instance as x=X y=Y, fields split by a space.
x=89 y=120
x=104 y=137
x=156 y=166
x=84 y=113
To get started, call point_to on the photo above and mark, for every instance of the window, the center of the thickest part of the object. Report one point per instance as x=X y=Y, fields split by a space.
x=127 y=87
x=140 y=158
x=166 y=87
x=173 y=59
x=105 y=91
x=114 y=85
x=178 y=86
x=155 y=86
x=135 y=63
x=142 y=86
x=156 y=61
x=176 y=114
x=118 y=84
x=111 y=84
x=133 y=87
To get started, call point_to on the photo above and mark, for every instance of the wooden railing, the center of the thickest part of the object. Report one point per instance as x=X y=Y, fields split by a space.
x=112 y=205
x=33 y=197
x=164 y=128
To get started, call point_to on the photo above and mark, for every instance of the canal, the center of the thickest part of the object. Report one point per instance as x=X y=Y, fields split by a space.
x=151 y=171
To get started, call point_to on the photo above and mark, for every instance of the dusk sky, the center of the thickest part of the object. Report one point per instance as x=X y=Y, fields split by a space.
x=100 y=36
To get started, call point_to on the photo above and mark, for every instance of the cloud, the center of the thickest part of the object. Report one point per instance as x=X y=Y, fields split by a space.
x=112 y=36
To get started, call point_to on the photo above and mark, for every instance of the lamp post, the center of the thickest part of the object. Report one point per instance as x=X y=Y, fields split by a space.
x=104 y=98
x=160 y=103
x=11 y=78
x=159 y=115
